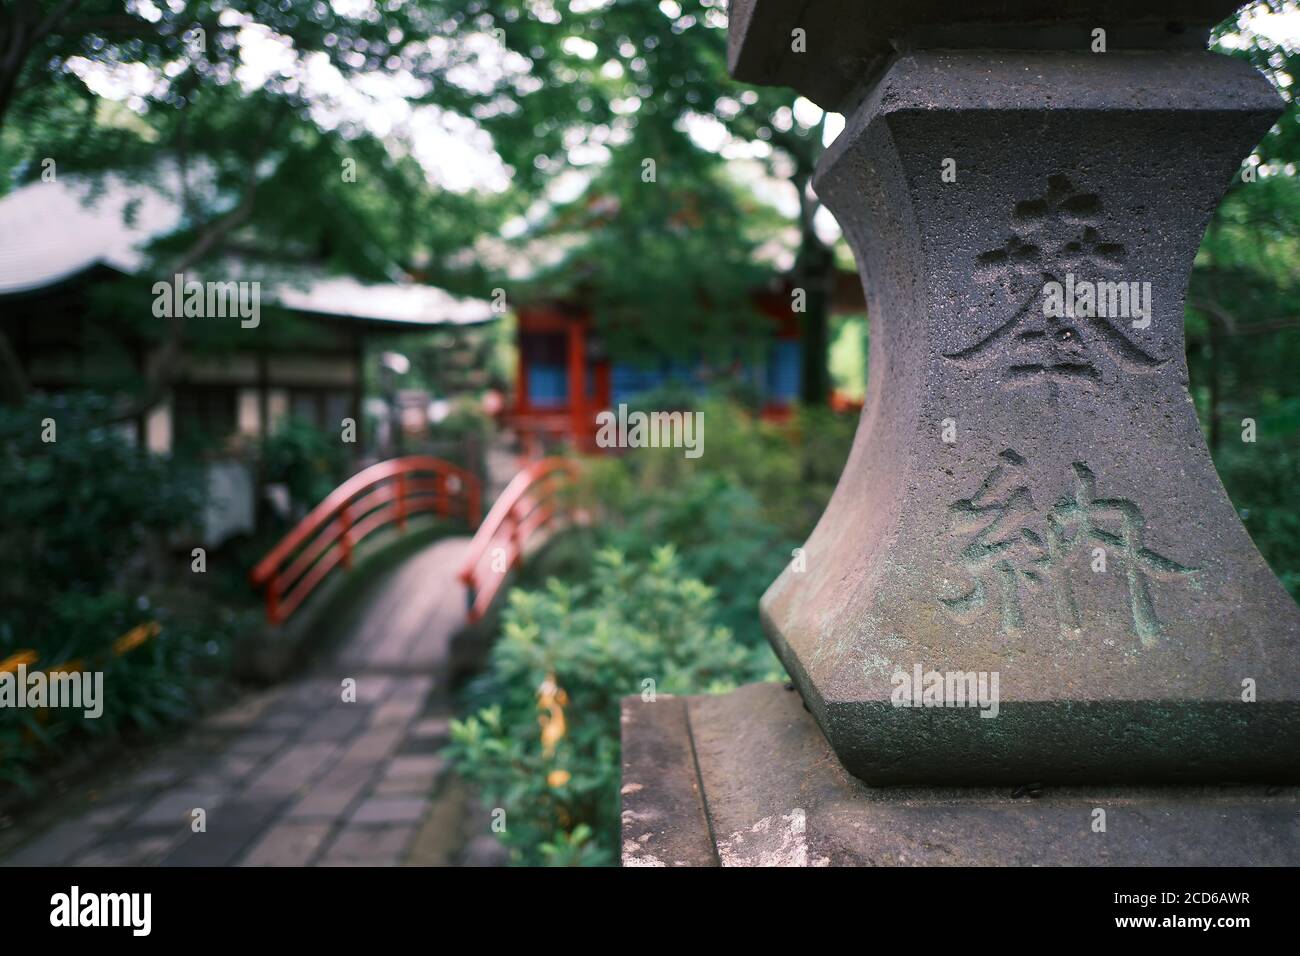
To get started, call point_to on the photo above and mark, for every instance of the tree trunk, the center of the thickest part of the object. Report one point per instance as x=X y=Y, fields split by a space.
x=813 y=274
x=814 y=269
x=13 y=380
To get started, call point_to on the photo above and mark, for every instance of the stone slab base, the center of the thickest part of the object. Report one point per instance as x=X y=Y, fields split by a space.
x=748 y=779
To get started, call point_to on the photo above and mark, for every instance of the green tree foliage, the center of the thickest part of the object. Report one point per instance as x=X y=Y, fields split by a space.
x=1243 y=324
x=268 y=165
x=611 y=85
x=667 y=267
x=596 y=641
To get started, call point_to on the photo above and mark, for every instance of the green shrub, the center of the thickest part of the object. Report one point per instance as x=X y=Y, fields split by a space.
x=636 y=621
x=721 y=534
x=76 y=513
x=789 y=468
x=161 y=681
x=306 y=460
x=466 y=419
x=664 y=586
x=83 y=524
x=463 y=436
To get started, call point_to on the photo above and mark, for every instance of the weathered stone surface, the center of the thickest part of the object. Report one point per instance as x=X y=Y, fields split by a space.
x=663 y=816
x=1071 y=437
x=846 y=45
x=777 y=796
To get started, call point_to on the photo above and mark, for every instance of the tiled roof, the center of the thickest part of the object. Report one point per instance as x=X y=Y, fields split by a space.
x=49 y=234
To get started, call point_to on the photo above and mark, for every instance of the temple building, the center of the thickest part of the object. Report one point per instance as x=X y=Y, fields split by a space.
x=78 y=308
x=561 y=354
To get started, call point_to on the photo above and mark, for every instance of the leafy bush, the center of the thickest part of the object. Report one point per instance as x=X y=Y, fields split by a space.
x=162 y=680
x=306 y=460
x=466 y=419
x=77 y=511
x=789 y=468
x=720 y=532
x=463 y=436
x=664 y=586
x=635 y=621
x=734 y=515
x=83 y=522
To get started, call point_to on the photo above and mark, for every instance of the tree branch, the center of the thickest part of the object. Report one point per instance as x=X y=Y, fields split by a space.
x=170 y=353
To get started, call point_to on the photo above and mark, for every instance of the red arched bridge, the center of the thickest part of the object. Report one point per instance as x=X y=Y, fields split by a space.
x=341 y=763
x=386 y=494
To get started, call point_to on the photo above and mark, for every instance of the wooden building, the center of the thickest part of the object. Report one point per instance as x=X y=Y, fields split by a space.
x=78 y=306
x=561 y=356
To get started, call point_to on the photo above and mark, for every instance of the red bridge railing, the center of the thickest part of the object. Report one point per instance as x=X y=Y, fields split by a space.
x=383 y=494
x=531 y=502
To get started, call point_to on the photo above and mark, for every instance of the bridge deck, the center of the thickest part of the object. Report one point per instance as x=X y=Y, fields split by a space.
x=294 y=775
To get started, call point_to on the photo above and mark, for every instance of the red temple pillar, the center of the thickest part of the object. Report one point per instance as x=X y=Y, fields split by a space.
x=578 y=384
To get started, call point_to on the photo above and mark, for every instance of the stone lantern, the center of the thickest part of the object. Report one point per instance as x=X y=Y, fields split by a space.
x=1029 y=579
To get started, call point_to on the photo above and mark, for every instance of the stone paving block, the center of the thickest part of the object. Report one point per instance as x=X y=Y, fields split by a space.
x=485 y=850
x=197 y=743
x=232 y=766
x=316 y=693
x=176 y=807
x=104 y=816
x=396 y=712
x=153 y=778
x=226 y=773
x=339 y=722
x=403 y=787
x=292 y=770
x=422 y=767
x=411 y=775
x=243 y=714
x=145 y=851
x=231 y=828
x=288 y=844
x=374 y=745
x=411 y=688
x=433 y=728
x=372 y=845
x=371 y=688
x=56 y=846
x=334 y=792
x=391 y=810
x=258 y=742
x=289 y=722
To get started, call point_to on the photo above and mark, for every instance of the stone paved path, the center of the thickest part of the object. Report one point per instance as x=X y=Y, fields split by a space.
x=295 y=776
